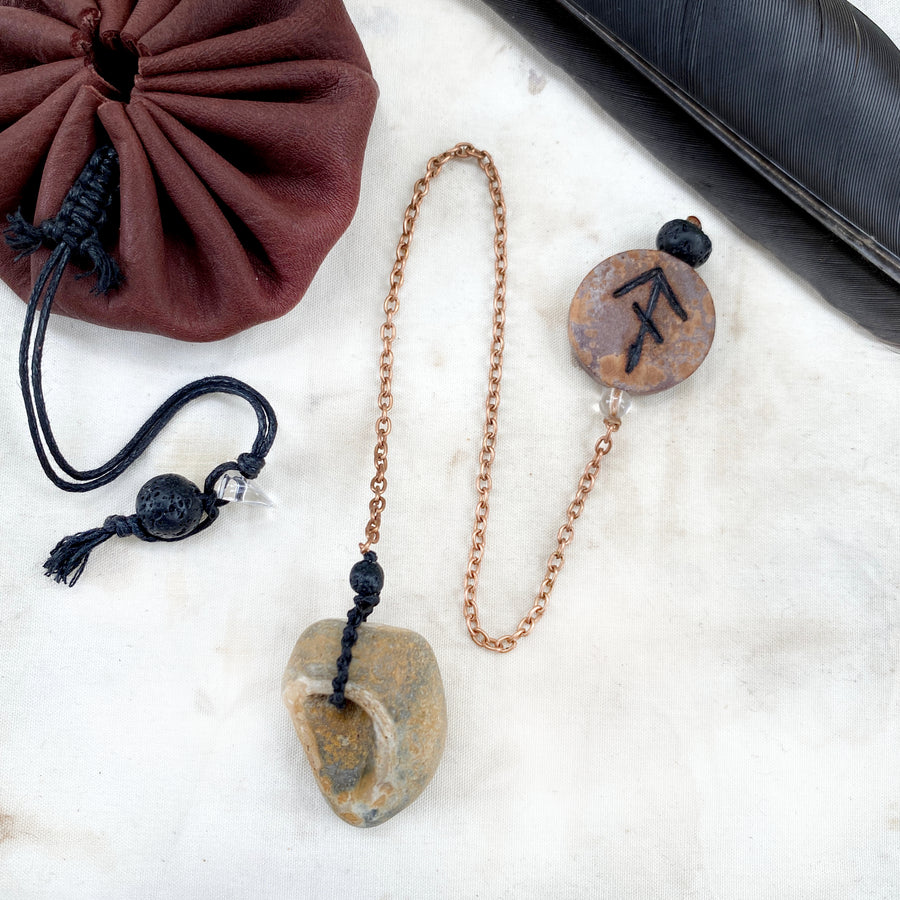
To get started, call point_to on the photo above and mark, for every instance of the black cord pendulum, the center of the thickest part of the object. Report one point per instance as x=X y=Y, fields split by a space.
x=169 y=507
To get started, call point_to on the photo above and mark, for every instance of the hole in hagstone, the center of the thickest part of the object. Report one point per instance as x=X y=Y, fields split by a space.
x=345 y=739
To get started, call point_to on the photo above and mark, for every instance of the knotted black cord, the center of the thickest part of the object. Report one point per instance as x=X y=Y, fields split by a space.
x=367 y=580
x=75 y=232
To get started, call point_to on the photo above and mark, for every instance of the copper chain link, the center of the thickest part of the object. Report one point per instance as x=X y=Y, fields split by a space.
x=492 y=406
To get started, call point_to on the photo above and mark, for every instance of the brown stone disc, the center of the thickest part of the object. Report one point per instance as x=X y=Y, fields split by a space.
x=642 y=321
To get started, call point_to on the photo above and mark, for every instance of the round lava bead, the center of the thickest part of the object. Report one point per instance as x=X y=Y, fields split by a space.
x=169 y=506
x=685 y=241
x=367 y=578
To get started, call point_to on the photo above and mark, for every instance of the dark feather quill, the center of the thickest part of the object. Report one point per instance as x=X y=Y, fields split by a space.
x=784 y=114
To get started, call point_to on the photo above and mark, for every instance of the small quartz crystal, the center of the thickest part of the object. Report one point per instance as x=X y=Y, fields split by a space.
x=234 y=488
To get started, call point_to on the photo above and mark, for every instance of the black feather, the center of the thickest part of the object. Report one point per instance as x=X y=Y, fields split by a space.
x=784 y=114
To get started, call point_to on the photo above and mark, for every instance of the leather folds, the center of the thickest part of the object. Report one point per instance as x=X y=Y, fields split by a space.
x=240 y=127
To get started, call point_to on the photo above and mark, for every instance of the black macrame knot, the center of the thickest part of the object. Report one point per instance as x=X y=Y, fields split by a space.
x=367 y=579
x=249 y=465
x=365 y=605
x=78 y=223
x=211 y=504
x=125 y=526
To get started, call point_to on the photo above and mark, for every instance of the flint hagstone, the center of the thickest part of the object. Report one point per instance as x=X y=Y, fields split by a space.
x=372 y=758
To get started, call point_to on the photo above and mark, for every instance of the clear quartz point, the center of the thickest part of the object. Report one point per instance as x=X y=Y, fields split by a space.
x=614 y=403
x=234 y=488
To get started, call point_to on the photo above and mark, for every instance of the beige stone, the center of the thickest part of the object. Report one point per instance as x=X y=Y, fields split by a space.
x=375 y=756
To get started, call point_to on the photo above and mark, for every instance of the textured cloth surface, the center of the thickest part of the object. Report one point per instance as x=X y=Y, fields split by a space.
x=710 y=707
x=240 y=148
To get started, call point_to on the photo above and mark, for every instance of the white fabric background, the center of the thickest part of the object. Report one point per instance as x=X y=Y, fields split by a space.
x=710 y=708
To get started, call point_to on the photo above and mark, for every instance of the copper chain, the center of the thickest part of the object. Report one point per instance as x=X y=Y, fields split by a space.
x=492 y=407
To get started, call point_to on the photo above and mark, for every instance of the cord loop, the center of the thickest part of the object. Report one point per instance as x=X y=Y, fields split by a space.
x=75 y=232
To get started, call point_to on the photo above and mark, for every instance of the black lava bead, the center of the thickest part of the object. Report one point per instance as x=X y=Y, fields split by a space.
x=169 y=506
x=684 y=240
x=367 y=577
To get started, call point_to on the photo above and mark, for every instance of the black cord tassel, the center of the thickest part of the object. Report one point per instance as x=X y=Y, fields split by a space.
x=69 y=557
x=169 y=507
x=21 y=235
x=367 y=579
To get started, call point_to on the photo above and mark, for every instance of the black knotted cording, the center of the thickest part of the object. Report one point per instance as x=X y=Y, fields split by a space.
x=170 y=507
x=70 y=555
x=367 y=579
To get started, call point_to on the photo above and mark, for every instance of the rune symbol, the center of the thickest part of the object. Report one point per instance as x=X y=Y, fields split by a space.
x=659 y=285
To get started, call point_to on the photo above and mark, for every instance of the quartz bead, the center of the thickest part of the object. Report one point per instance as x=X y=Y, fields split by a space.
x=614 y=403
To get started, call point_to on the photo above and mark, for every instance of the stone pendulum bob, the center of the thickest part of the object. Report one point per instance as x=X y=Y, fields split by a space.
x=372 y=758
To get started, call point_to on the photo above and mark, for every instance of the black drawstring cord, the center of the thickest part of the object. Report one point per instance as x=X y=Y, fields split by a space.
x=169 y=507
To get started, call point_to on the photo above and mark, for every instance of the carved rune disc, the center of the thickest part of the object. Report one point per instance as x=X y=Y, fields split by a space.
x=642 y=321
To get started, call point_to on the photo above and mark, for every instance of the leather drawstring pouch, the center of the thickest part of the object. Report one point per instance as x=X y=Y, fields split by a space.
x=179 y=168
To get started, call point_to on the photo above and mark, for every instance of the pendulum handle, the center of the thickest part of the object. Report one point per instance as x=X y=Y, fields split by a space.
x=392 y=304
x=492 y=406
